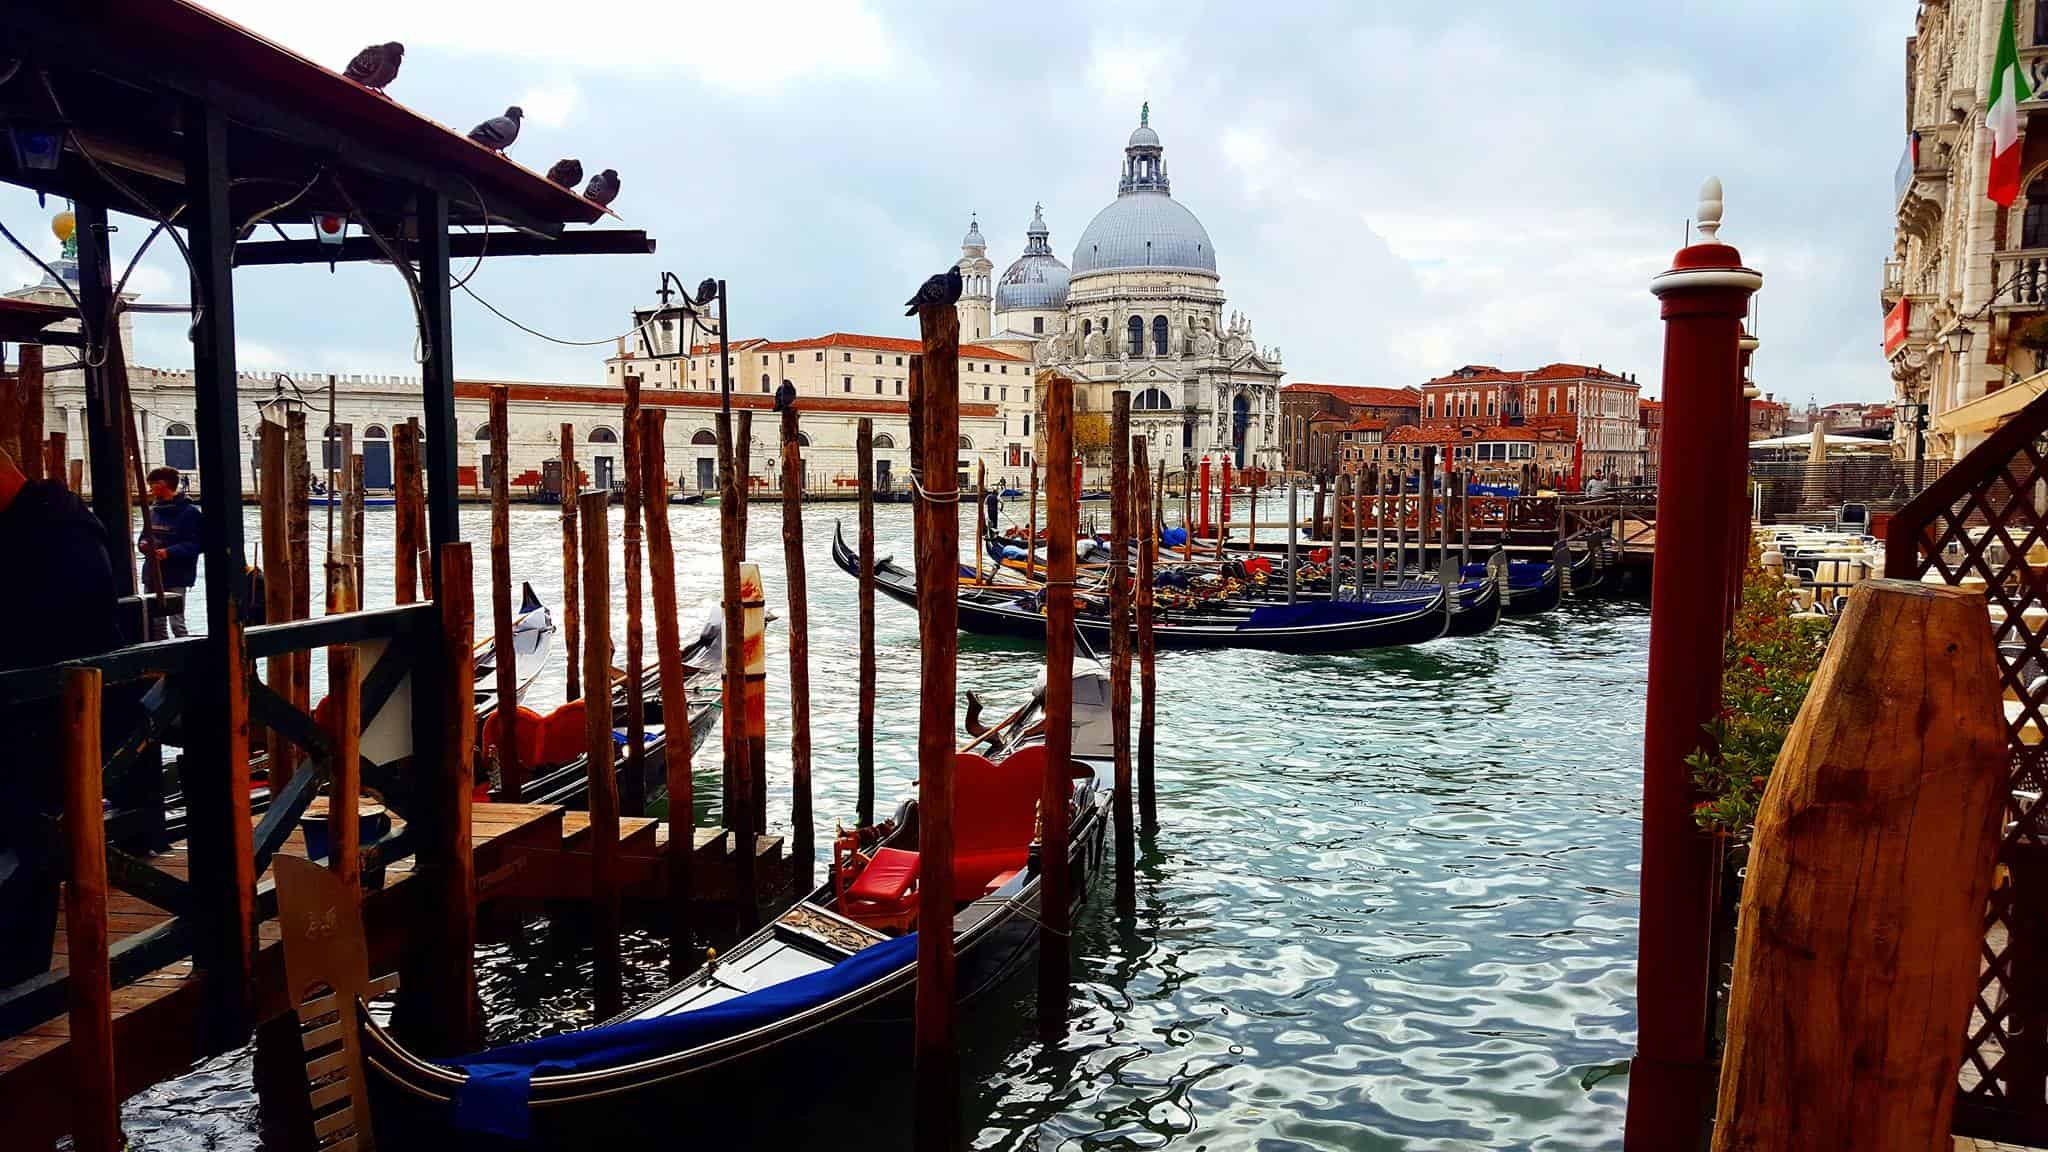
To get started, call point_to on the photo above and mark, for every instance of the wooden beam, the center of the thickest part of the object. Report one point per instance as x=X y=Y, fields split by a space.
x=21 y=412
x=600 y=749
x=505 y=715
x=633 y=780
x=405 y=485
x=1056 y=417
x=106 y=389
x=802 y=850
x=1855 y=974
x=864 y=723
x=572 y=483
x=437 y=373
x=451 y=990
x=675 y=704
x=95 y=1106
x=935 y=417
x=470 y=246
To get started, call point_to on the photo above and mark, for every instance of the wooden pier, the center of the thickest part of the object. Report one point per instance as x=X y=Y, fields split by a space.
x=520 y=852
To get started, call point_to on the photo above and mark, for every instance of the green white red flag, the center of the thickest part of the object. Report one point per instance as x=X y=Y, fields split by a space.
x=2008 y=89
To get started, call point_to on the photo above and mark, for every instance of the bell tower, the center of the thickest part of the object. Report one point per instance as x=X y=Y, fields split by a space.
x=977 y=286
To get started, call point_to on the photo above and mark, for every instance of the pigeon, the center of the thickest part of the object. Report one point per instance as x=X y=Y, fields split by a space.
x=376 y=66
x=603 y=187
x=567 y=173
x=943 y=288
x=785 y=397
x=498 y=132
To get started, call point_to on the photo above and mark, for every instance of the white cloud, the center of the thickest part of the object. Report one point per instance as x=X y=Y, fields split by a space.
x=549 y=105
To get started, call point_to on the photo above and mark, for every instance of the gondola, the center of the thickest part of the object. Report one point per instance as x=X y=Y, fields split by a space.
x=823 y=996
x=1589 y=569
x=1536 y=586
x=1315 y=626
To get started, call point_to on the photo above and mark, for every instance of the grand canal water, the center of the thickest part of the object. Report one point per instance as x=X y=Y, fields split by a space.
x=1392 y=904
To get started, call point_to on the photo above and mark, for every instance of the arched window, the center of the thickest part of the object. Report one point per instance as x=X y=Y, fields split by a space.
x=884 y=440
x=483 y=431
x=803 y=440
x=1151 y=400
x=966 y=445
x=1159 y=335
x=602 y=435
x=765 y=386
x=1087 y=327
x=376 y=432
x=2034 y=220
x=704 y=436
x=181 y=451
x=1137 y=338
x=330 y=447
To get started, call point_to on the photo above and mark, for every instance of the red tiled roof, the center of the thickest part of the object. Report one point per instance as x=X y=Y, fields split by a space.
x=851 y=340
x=1652 y=405
x=1477 y=374
x=1364 y=394
x=1488 y=374
x=1573 y=372
x=674 y=398
x=1366 y=425
x=1410 y=434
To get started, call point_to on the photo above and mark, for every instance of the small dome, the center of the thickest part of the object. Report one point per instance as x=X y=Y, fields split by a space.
x=1143 y=137
x=973 y=238
x=1037 y=279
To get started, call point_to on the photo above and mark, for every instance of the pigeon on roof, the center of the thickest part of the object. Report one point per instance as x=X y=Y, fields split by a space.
x=603 y=187
x=376 y=66
x=942 y=288
x=567 y=173
x=498 y=132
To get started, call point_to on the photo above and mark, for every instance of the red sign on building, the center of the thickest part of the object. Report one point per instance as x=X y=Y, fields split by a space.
x=1895 y=327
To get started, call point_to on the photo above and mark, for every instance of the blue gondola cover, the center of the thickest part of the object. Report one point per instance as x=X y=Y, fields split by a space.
x=494 y=1098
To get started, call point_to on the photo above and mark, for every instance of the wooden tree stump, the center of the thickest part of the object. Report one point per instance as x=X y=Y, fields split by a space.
x=1863 y=912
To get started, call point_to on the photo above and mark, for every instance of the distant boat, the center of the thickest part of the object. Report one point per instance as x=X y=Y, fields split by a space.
x=325 y=499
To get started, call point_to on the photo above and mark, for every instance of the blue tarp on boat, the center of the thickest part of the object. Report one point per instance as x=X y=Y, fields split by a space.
x=1321 y=613
x=494 y=1098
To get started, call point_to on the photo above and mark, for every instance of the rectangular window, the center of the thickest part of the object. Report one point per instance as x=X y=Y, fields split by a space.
x=821 y=358
x=1027 y=423
x=878 y=385
x=790 y=358
x=1037 y=324
x=846 y=357
x=846 y=383
x=984 y=391
x=899 y=361
x=1006 y=393
x=899 y=387
x=1006 y=369
x=878 y=357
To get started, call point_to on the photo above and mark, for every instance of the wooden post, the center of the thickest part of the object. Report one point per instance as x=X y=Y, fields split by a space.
x=277 y=582
x=1148 y=802
x=1342 y=491
x=633 y=780
x=504 y=717
x=802 y=849
x=450 y=990
x=571 y=484
x=864 y=725
x=1120 y=644
x=735 y=794
x=935 y=414
x=1379 y=530
x=1251 y=529
x=1031 y=527
x=56 y=459
x=597 y=733
x=1056 y=394
x=1852 y=990
x=675 y=705
x=1358 y=495
x=743 y=468
x=1315 y=529
x=298 y=524
x=344 y=727
x=95 y=1105
x=355 y=525
x=406 y=514
x=1293 y=533
x=754 y=643
x=982 y=527
x=21 y=412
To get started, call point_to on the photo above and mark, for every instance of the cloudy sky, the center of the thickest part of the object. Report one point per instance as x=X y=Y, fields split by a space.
x=1393 y=189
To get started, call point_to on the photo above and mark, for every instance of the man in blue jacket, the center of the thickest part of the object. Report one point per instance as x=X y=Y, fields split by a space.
x=170 y=549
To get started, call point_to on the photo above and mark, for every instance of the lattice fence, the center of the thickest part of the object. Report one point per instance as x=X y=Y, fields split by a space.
x=1984 y=523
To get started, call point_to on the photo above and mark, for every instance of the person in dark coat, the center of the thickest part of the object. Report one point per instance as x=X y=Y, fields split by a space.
x=55 y=569
x=170 y=546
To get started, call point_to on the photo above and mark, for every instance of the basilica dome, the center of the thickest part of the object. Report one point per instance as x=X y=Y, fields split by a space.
x=1144 y=227
x=1037 y=279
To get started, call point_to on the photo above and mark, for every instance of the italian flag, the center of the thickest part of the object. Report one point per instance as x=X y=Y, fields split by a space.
x=2008 y=88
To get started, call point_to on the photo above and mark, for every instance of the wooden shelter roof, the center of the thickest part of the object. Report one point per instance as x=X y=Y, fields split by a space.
x=120 y=74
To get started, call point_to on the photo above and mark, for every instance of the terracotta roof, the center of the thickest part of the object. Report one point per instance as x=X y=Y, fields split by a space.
x=674 y=398
x=1651 y=404
x=852 y=340
x=1410 y=434
x=1477 y=374
x=1367 y=425
x=1362 y=394
x=1573 y=372
x=1488 y=374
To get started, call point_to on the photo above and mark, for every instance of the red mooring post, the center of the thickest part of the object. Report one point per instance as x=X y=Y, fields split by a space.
x=1205 y=495
x=1223 y=501
x=1704 y=296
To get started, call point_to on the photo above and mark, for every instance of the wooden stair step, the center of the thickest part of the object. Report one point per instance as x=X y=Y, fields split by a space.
x=637 y=835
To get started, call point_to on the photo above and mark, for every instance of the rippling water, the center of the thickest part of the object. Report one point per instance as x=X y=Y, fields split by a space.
x=1391 y=905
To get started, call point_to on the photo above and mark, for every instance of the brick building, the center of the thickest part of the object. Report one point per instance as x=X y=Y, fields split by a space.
x=1315 y=420
x=1496 y=452
x=1767 y=417
x=1589 y=405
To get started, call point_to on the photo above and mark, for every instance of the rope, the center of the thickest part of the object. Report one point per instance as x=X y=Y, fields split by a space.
x=949 y=496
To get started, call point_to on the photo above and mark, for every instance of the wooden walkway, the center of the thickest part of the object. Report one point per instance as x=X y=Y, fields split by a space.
x=156 y=1019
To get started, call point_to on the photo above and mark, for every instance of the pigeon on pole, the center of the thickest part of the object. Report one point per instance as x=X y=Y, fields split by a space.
x=603 y=188
x=376 y=66
x=785 y=397
x=942 y=288
x=498 y=132
x=567 y=173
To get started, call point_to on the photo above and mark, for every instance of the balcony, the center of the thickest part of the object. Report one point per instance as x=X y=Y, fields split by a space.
x=1920 y=181
x=2021 y=277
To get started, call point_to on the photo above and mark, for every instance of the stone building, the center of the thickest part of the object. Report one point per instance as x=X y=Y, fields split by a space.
x=1588 y=405
x=1650 y=414
x=1141 y=310
x=1317 y=420
x=1487 y=452
x=1965 y=286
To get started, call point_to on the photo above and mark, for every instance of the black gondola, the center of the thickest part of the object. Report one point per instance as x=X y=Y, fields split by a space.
x=788 y=1005
x=1314 y=626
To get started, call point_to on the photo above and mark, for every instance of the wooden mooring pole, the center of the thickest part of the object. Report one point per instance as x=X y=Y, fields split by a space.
x=1056 y=395
x=754 y=642
x=95 y=1104
x=1148 y=683
x=633 y=780
x=407 y=516
x=802 y=849
x=298 y=526
x=504 y=717
x=1859 y=959
x=1031 y=526
x=864 y=724
x=600 y=749
x=1293 y=534
x=675 y=705
x=736 y=793
x=1703 y=299
x=571 y=484
x=1358 y=502
x=1120 y=643
x=1340 y=491
x=277 y=581
x=743 y=467
x=344 y=727
x=935 y=413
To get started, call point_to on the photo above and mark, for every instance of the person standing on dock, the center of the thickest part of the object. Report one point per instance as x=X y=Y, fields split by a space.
x=170 y=549
x=59 y=570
